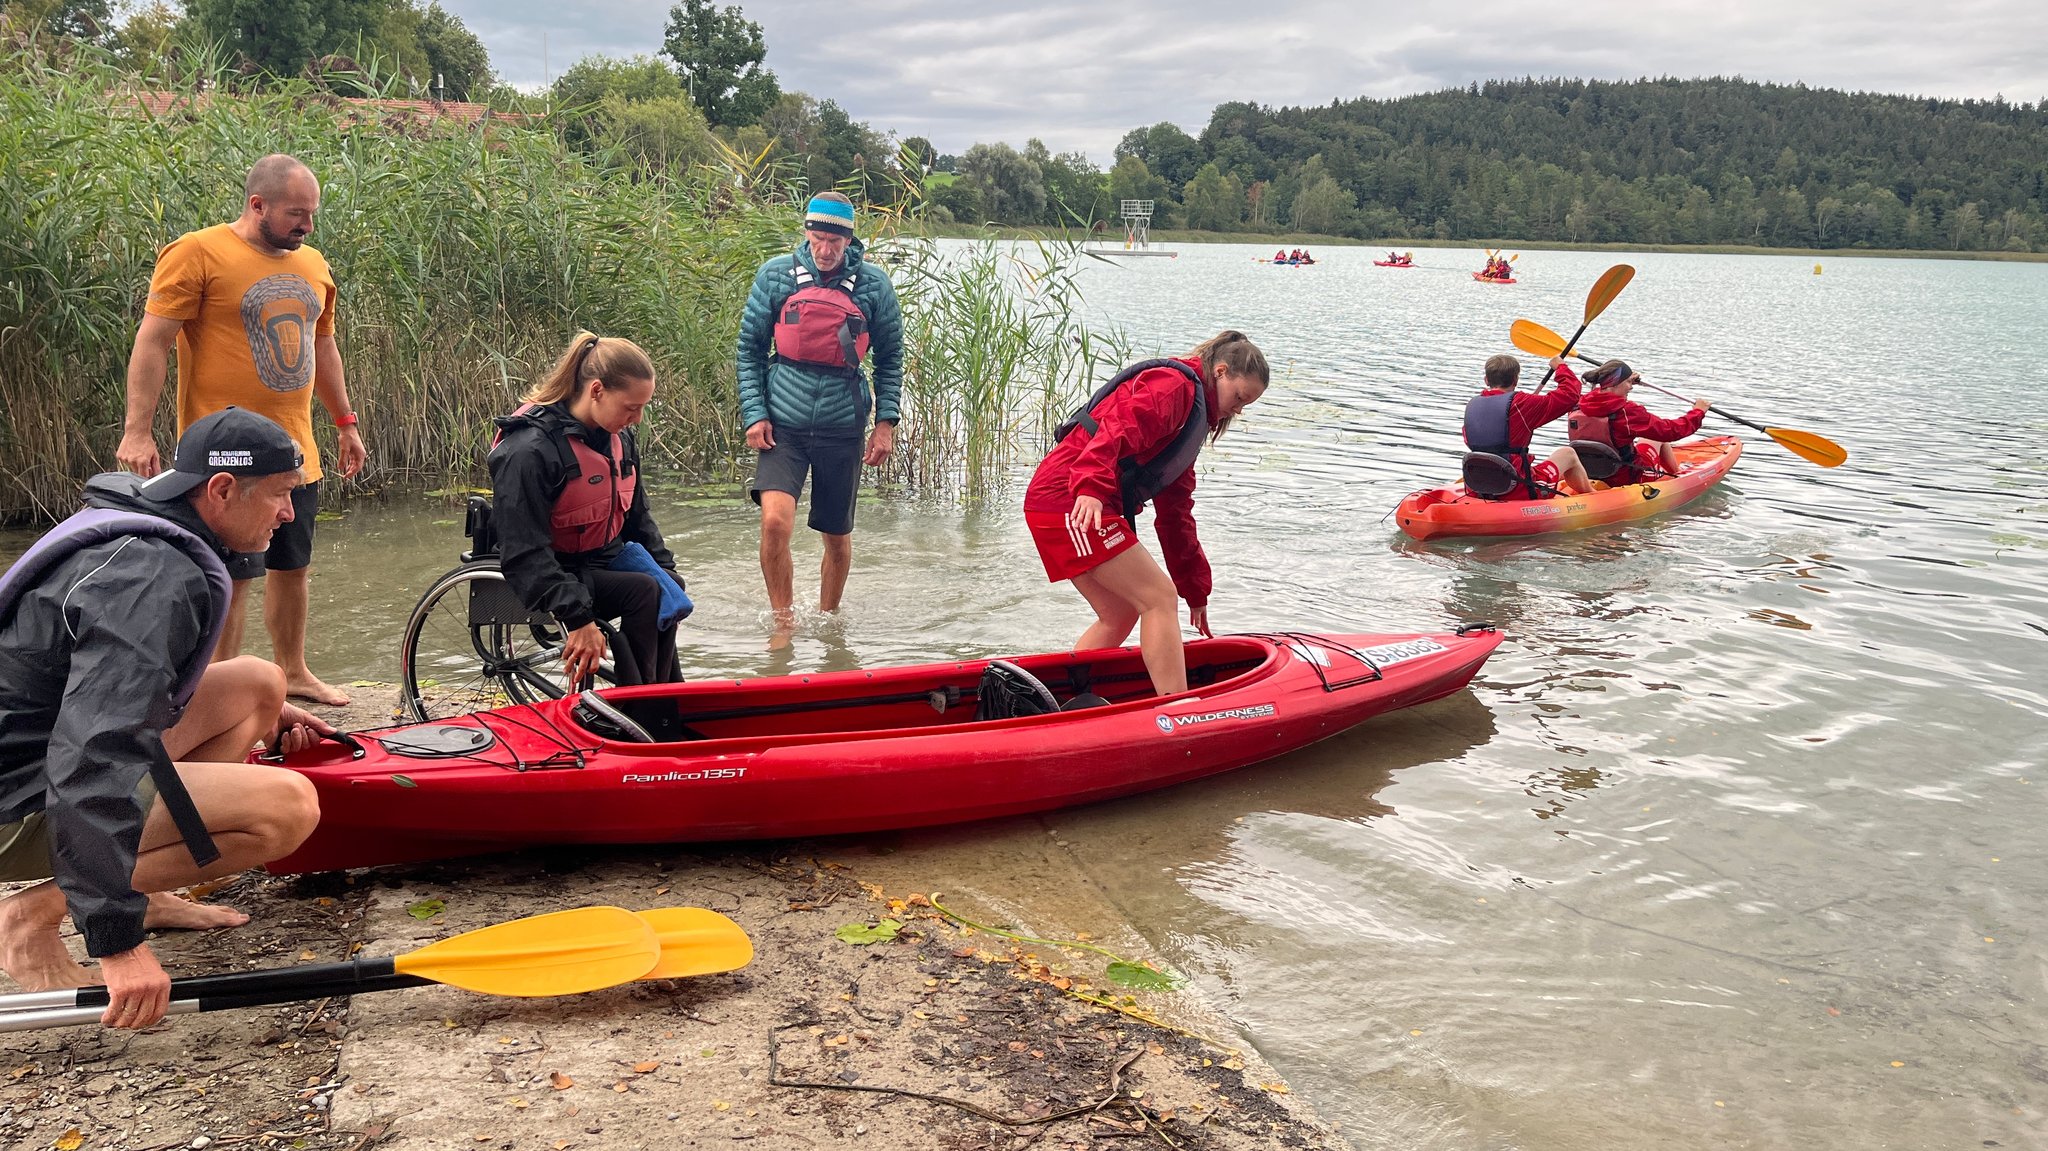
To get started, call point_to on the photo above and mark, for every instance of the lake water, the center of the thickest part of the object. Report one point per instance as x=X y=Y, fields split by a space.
x=1737 y=840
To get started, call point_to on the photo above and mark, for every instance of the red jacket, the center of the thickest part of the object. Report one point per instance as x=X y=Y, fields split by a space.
x=1138 y=421
x=1628 y=421
x=1528 y=411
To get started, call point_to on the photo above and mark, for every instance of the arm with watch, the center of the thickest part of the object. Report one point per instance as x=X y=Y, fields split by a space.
x=332 y=389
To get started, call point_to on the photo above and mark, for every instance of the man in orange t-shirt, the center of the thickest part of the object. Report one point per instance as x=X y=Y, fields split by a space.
x=250 y=310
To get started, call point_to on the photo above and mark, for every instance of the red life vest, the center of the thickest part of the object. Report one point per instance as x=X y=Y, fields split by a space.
x=591 y=510
x=820 y=325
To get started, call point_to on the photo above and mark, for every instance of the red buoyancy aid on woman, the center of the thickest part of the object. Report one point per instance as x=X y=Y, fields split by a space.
x=591 y=509
x=1618 y=421
x=1137 y=421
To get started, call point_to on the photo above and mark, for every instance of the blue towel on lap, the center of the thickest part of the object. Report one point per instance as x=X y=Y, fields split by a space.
x=675 y=602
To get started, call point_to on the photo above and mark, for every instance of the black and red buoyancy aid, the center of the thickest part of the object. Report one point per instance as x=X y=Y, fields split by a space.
x=591 y=510
x=820 y=325
x=1139 y=480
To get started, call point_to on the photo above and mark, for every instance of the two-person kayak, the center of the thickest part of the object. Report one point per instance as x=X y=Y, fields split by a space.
x=1451 y=511
x=1486 y=279
x=852 y=751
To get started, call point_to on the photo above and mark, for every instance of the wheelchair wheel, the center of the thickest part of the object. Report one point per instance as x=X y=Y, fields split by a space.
x=471 y=645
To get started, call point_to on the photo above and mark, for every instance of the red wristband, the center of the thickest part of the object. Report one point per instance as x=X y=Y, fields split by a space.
x=345 y=420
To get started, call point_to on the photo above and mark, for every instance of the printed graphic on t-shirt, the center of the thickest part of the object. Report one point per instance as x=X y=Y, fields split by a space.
x=279 y=314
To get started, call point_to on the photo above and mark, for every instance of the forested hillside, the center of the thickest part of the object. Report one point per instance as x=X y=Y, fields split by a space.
x=1715 y=161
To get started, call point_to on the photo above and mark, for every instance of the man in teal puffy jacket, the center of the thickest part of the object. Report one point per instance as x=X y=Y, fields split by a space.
x=811 y=319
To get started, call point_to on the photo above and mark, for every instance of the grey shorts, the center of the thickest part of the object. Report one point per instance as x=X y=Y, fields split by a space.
x=25 y=843
x=833 y=464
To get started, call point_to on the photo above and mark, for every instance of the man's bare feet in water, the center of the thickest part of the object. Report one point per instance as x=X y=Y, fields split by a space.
x=30 y=949
x=168 y=911
x=310 y=687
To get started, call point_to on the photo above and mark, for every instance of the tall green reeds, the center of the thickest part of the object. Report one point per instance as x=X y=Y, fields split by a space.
x=465 y=256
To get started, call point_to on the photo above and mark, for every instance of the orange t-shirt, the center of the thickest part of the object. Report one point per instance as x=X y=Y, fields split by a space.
x=250 y=321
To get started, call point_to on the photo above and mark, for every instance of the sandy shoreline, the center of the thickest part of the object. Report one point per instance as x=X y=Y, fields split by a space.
x=942 y=1037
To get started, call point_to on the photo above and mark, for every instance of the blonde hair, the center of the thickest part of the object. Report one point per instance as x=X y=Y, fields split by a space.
x=607 y=359
x=1233 y=350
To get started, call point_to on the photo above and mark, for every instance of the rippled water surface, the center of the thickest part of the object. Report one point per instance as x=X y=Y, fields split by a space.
x=1736 y=841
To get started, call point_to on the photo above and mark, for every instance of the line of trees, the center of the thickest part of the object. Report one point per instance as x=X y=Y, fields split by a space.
x=1665 y=161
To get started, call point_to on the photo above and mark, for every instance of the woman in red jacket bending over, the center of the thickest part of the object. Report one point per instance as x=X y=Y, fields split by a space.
x=1643 y=441
x=1134 y=442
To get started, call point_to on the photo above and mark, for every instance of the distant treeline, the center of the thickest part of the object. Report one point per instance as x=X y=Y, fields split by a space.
x=1720 y=161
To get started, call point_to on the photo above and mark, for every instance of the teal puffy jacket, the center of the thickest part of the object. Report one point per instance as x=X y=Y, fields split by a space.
x=798 y=397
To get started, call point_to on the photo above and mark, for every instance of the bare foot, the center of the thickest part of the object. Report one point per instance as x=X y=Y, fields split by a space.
x=310 y=688
x=169 y=910
x=30 y=949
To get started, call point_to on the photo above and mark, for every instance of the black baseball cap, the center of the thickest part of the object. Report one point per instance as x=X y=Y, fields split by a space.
x=233 y=440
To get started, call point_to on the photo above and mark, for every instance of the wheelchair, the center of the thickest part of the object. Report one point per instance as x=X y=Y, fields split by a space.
x=471 y=645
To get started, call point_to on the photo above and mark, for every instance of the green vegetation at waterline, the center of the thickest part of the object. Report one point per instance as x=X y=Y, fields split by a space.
x=465 y=258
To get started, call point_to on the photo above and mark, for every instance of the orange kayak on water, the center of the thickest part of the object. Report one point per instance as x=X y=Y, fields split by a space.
x=1486 y=279
x=1437 y=512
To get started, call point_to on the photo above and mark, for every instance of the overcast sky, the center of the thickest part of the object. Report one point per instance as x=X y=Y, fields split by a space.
x=1080 y=75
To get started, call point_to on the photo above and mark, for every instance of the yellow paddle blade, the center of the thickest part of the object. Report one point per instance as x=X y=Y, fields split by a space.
x=1536 y=339
x=1608 y=286
x=696 y=941
x=1821 y=450
x=561 y=953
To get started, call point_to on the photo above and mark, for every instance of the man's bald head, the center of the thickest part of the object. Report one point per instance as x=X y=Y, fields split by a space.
x=273 y=174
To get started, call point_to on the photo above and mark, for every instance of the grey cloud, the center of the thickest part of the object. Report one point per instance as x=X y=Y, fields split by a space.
x=1078 y=76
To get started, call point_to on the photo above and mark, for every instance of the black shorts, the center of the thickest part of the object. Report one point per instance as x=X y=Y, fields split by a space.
x=833 y=463
x=291 y=545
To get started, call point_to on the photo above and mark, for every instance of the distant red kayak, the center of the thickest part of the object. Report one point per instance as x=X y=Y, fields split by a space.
x=851 y=751
x=1492 y=279
x=1392 y=264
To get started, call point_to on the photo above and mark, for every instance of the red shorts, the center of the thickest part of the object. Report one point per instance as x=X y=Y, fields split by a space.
x=1068 y=551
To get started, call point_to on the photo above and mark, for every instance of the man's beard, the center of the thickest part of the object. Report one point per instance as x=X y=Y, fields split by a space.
x=283 y=242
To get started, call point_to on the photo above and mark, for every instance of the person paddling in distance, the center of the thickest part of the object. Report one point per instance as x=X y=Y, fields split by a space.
x=122 y=744
x=1643 y=441
x=1502 y=421
x=575 y=538
x=1134 y=442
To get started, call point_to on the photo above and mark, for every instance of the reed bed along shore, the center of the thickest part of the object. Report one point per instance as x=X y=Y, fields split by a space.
x=465 y=256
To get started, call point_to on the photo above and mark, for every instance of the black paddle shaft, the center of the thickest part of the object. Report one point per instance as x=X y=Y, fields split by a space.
x=279 y=984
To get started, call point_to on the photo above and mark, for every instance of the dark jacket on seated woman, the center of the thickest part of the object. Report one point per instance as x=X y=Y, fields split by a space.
x=559 y=560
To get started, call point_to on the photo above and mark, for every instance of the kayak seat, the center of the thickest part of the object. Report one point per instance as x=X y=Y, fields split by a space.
x=1008 y=692
x=1084 y=700
x=1489 y=476
x=1600 y=460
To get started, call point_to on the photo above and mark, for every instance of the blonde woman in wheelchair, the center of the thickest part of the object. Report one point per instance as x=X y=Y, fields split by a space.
x=575 y=539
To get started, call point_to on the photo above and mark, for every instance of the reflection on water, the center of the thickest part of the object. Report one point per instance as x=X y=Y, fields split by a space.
x=1735 y=842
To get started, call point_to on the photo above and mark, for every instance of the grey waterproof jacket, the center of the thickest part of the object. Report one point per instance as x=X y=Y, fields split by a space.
x=89 y=660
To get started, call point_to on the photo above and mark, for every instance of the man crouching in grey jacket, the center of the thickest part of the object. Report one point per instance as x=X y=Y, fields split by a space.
x=121 y=744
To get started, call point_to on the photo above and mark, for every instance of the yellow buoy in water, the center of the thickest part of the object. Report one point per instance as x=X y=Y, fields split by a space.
x=1816 y=269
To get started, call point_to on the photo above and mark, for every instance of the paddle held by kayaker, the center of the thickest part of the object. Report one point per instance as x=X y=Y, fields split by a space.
x=1643 y=441
x=1134 y=442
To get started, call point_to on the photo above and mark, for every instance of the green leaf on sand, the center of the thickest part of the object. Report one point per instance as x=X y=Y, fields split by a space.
x=860 y=934
x=427 y=908
x=1143 y=978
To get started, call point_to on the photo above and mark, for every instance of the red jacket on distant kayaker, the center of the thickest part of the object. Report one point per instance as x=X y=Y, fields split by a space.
x=1502 y=421
x=1132 y=443
x=1606 y=415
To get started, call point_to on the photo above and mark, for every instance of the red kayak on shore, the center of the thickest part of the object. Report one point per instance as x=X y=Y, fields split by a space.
x=852 y=751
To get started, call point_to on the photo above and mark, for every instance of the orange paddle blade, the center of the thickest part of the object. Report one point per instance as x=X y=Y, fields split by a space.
x=1608 y=286
x=696 y=941
x=561 y=953
x=1819 y=449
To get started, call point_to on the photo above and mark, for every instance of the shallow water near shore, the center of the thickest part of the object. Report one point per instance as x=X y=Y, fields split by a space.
x=1735 y=842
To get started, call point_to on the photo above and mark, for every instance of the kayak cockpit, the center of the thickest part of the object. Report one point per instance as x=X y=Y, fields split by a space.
x=848 y=705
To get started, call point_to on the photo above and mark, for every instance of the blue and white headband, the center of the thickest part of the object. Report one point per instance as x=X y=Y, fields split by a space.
x=834 y=216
